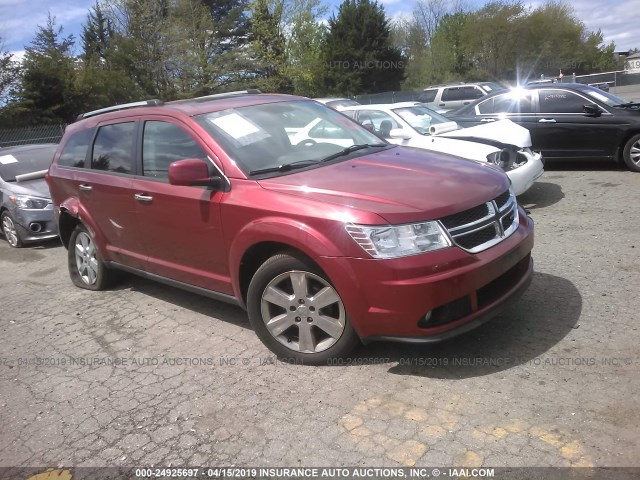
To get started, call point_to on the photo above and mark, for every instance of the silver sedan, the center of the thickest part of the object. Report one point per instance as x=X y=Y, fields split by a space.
x=26 y=211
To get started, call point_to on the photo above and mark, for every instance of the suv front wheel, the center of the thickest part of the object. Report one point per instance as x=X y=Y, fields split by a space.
x=86 y=268
x=297 y=313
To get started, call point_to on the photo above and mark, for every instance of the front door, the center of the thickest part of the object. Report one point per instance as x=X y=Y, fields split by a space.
x=565 y=131
x=180 y=225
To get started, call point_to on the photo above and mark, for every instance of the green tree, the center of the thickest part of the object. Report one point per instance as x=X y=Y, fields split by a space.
x=490 y=39
x=358 y=54
x=304 y=39
x=99 y=81
x=9 y=71
x=47 y=93
x=269 y=47
x=97 y=37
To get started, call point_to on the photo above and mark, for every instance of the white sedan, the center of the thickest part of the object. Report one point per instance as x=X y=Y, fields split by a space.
x=503 y=143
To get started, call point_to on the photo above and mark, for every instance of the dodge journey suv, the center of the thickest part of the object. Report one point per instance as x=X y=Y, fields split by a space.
x=324 y=244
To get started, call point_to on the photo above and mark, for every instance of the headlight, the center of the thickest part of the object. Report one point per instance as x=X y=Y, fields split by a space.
x=399 y=240
x=494 y=158
x=31 y=203
x=504 y=159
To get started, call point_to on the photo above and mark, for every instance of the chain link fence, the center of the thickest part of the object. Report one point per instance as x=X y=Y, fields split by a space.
x=24 y=136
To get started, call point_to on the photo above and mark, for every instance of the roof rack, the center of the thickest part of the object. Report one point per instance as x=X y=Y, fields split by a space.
x=124 y=106
x=206 y=98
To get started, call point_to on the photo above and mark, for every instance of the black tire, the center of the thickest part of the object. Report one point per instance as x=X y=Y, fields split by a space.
x=631 y=152
x=277 y=273
x=93 y=274
x=10 y=231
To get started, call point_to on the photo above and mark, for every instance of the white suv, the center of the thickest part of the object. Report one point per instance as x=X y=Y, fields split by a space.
x=444 y=98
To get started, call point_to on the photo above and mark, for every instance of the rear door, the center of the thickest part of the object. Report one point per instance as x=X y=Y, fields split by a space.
x=104 y=189
x=180 y=225
x=565 y=131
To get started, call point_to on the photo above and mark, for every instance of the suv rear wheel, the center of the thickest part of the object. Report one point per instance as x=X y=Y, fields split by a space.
x=297 y=313
x=86 y=268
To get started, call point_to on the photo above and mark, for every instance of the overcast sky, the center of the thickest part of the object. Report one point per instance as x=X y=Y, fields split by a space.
x=618 y=19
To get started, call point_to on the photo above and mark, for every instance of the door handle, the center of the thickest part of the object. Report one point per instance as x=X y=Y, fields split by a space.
x=143 y=198
x=547 y=120
x=488 y=120
x=86 y=188
x=441 y=104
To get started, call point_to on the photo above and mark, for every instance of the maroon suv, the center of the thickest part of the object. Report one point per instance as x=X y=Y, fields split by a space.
x=328 y=240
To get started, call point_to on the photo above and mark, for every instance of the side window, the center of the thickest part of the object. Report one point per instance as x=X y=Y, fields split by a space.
x=113 y=148
x=75 y=150
x=471 y=93
x=451 y=94
x=507 y=103
x=428 y=96
x=378 y=122
x=561 y=101
x=164 y=143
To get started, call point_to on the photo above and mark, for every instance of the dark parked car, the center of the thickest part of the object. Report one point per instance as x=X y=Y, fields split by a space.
x=323 y=244
x=26 y=210
x=566 y=121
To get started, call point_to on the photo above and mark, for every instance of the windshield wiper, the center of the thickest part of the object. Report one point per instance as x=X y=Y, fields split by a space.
x=285 y=167
x=353 y=148
x=628 y=105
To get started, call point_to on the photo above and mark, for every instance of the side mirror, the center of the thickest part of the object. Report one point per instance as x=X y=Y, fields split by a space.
x=193 y=172
x=399 y=133
x=591 y=110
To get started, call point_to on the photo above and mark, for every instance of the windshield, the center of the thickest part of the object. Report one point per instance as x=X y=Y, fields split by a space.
x=420 y=118
x=604 y=97
x=342 y=103
x=267 y=136
x=25 y=160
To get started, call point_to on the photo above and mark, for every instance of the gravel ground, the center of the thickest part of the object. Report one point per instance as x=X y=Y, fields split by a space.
x=148 y=375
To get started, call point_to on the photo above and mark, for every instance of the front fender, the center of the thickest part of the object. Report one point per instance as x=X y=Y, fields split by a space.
x=286 y=231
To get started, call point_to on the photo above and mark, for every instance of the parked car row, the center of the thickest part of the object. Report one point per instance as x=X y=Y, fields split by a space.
x=412 y=124
x=566 y=120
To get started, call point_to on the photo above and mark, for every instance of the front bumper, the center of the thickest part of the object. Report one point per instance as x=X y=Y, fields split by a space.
x=25 y=219
x=388 y=299
x=522 y=178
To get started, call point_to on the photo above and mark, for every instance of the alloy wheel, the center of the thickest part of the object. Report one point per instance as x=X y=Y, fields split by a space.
x=86 y=259
x=10 y=232
x=634 y=153
x=303 y=312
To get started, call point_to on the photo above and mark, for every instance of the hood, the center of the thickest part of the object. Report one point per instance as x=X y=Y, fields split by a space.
x=400 y=184
x=36 y=188
x=499 y=133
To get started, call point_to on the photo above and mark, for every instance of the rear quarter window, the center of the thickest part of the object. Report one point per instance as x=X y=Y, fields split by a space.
x=74 y=152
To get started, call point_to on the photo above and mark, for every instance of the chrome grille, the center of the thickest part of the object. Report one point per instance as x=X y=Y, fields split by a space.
x=485 y=225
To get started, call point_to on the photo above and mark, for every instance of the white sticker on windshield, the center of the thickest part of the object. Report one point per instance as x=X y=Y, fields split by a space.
x=6 y=159
x=235 y=126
